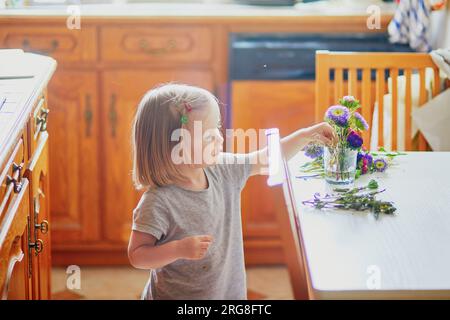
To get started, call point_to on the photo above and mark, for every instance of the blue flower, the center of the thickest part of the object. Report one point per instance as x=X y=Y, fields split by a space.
x=354 y=140
x=313 y=150
x=338 y=115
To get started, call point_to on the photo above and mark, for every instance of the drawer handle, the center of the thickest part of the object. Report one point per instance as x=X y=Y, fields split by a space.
x=16 y=183
x=145 y=47
x=88 y=115
x=19 y=168
x=54 y=44
x=41 y=121
x=113 y=115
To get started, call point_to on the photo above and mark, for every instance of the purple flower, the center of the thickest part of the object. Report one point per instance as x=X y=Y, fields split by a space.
x=359 y=156
x=313 y=150
x=380 y=164
x=360 y=122
x=369 y=158
x=354 y=140
x=338 y=114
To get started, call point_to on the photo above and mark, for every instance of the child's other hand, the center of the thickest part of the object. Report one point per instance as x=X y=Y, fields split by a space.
x=195 y=247
x=321 y=132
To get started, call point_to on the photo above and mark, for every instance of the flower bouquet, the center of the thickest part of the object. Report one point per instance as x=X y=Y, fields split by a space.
x=340 y=160
x=348 y=124
x=345 y=161
x=366 y=161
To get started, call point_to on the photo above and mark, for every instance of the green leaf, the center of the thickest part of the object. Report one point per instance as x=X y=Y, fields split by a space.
x=372 y=184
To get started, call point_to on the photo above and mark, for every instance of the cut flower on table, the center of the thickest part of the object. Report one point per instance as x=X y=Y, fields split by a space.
x=348 y=125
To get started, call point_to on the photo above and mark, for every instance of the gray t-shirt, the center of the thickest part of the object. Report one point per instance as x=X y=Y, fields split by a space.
x=172 y=213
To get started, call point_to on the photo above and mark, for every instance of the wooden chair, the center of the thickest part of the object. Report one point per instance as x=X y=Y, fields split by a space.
x=361 y=68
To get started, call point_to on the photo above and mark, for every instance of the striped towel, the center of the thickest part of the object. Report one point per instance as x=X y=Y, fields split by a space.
x=441 y=57
x=411 y=25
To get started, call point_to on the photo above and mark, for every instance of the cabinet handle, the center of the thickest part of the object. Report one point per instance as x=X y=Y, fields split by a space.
x=17 y=184
x=144 y=45
x=26 y=44
x=42 y=120
x=19 y=168
x=43 y=226
x=54 y=44
x=113 y=115
x=88 y=115
x=38 y=246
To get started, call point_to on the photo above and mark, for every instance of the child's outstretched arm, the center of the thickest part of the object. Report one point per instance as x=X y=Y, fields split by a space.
x=144 y=254
x=293 y=143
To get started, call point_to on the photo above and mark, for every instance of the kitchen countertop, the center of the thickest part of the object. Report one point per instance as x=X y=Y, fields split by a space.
x=320 y=8
x=20 y=94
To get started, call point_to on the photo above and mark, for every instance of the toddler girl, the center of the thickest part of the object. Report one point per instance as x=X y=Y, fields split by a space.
x=187 y=225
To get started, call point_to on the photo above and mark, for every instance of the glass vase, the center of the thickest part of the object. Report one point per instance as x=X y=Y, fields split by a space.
x=340 y=165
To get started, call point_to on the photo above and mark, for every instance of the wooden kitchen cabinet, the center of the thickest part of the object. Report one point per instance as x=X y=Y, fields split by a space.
x=287 y=105
x=25 y=248
x=122 y=91
x=74 y=166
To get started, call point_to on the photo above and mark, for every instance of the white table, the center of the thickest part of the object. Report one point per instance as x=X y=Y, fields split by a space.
x=354 y=256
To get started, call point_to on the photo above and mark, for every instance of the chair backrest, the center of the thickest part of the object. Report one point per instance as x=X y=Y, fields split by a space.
x=364 y=75
x=287 y=217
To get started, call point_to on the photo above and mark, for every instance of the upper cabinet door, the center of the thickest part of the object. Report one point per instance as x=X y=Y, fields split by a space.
x=122 y=92
x=74 y=169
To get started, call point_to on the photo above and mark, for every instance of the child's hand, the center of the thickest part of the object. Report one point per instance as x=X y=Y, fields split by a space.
x=321 y=132
x=195 y=247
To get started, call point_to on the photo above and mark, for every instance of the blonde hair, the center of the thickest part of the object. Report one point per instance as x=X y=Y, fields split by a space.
x=158 y=115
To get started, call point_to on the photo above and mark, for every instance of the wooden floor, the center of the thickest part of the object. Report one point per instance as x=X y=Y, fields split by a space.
x=127 y=283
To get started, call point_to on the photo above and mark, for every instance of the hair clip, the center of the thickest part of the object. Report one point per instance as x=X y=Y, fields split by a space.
x=184 y=118
x=188 y=107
